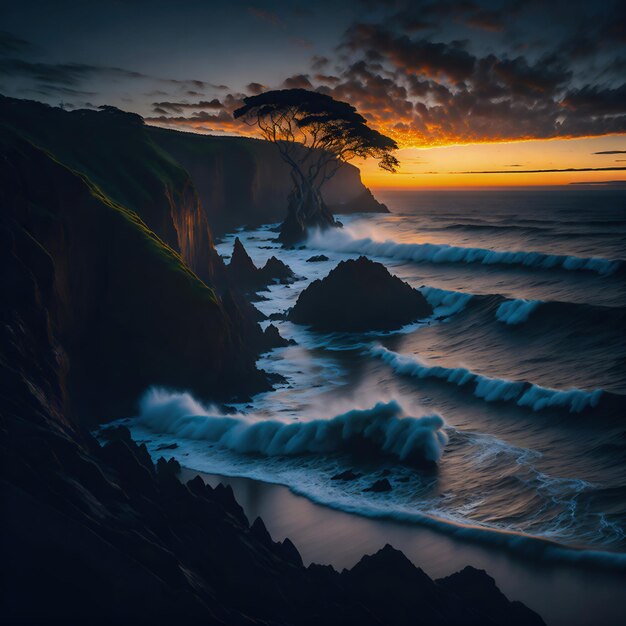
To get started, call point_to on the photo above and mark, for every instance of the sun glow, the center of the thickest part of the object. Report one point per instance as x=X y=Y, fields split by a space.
x=505 y=164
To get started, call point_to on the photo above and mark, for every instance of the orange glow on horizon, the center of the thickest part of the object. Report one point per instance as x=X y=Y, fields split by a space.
x=450 y=166
x=440 y=166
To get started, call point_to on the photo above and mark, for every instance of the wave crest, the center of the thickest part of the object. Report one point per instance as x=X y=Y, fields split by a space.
x=516 y=311
x=493 y=389
x=384 y=429
x=340 y=241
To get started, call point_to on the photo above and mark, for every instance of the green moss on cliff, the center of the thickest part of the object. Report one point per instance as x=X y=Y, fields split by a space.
x=130 y=312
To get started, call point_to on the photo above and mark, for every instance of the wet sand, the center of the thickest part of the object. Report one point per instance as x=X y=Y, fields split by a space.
x=564 y=595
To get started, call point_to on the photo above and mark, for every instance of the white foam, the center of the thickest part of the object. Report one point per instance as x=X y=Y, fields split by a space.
x=492 y=389
x=384 y=427
x=343 y=241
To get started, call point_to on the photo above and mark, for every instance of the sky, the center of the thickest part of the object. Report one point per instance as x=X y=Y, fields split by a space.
x=475 y=92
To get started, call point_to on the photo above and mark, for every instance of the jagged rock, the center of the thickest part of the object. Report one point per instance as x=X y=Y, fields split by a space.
x=241 y=269
x=275 y=269
x=475 y=585
x=272 y=338
x=358 y=296
x=289 y=552
x=245 y=275
x=171 y=467
x=380 y=486
x=277 y=316
x=260 y=533
x=318 y=258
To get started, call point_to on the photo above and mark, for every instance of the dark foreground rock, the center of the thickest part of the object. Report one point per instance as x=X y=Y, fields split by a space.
x=273 y=339
x=358 y=296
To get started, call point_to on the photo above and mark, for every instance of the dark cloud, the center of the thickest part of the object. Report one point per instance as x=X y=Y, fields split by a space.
x=319 y=62
x=74 y=73
x=255 y=88
x=326 y=78
x=436 y=59
x=205 y=121
x=59 y=90
x=179 y=107
x=10 y=44
x=611 y=152
x=596 y=100
x=427 y=72
x=299 y=81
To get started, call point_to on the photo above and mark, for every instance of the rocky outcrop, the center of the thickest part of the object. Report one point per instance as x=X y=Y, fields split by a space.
x=244 y=182
x=247 y=276
x=306 y=211
x=476 y=585
x=358 y=296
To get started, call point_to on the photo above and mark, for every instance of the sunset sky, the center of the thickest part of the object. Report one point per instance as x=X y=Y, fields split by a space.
x=465 y=87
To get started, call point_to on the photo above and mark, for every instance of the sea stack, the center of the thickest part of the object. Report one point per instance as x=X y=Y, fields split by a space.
x=359 y=295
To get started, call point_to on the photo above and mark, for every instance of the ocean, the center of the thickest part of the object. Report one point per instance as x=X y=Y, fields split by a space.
x=514 y=390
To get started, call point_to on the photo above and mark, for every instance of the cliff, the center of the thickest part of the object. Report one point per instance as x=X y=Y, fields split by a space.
x=114 y=150
x=98 y=535
x=127 y=310
x=110 y=284
x=243 y=181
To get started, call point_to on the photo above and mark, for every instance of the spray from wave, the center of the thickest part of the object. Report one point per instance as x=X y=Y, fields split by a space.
x=493 y=389
x=383 y=429
x=343 y=241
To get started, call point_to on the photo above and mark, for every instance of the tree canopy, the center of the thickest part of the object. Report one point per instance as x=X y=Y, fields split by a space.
x=330 y=131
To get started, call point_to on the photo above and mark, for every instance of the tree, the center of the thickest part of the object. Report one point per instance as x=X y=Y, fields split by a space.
x=315 y=134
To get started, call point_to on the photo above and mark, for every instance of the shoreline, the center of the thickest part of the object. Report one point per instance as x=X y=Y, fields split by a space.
x=562 y=594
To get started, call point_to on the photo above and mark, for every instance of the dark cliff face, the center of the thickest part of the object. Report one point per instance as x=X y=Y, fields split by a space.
x=115 y=152
x=129 y=313
x=245 y=182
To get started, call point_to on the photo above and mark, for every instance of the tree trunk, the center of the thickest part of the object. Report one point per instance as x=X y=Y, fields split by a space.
x=306 y=210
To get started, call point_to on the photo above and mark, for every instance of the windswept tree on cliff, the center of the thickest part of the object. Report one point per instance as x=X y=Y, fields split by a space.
x=315 y=134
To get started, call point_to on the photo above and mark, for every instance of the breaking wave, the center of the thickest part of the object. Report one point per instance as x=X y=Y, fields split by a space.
x=522 y=393
x=383 y=429
x=512 y=312
x=516 y=311
x=341 y=241
x=444 y=302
